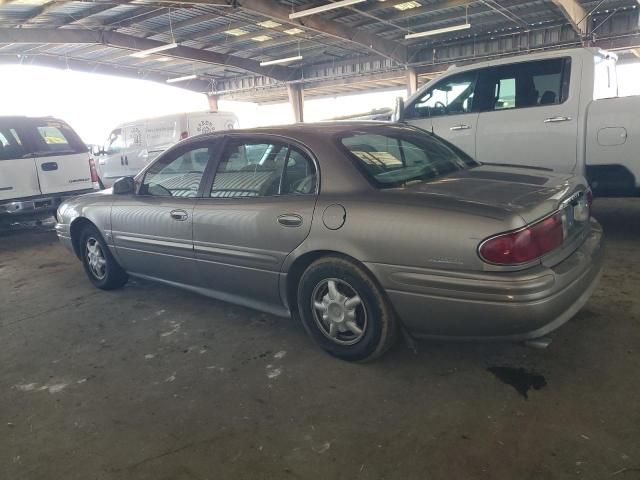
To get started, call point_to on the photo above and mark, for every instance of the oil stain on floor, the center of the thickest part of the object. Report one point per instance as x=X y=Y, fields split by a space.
x=519 y=378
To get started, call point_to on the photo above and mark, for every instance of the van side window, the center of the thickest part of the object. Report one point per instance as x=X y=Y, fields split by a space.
x=10 y=144
x=115 y=142
x=452 y=96
x=523 y=85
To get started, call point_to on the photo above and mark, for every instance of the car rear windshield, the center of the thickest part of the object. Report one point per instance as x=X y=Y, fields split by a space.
x=33 y=137
x=392 y=156
x=55 y=137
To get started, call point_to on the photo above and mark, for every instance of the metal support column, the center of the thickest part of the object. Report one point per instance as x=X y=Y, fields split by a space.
x=412 y=81
x=296 y=99
x=213 y=102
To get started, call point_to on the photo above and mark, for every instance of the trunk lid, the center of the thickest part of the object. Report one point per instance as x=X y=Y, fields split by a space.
x=529 y=193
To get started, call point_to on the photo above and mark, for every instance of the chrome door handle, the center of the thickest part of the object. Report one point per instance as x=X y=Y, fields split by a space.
x=557 y=119
x=290 y=220
x=460 y=126
x=179 y=215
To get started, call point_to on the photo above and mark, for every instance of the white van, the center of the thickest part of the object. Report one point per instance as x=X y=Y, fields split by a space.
x=42 y=162
x=131 y=146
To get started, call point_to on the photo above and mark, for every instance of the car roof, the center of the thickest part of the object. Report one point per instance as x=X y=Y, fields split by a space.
x=316 y=129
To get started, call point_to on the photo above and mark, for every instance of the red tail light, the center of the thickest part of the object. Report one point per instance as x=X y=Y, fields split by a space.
x=184 y=135
x=525 y=245
x=92 y=168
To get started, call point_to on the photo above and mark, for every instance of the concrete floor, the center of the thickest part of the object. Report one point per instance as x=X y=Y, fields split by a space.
x=155 y=383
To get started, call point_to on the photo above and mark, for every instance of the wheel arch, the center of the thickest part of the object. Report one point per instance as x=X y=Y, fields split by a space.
x=301 y=263
x=75 y=230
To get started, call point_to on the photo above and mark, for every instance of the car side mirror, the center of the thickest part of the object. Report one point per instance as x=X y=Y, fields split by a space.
x=398 y=114
x=124 y=186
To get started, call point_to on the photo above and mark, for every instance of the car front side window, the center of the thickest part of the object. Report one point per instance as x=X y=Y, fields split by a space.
x=177 y=175
x=451 y=96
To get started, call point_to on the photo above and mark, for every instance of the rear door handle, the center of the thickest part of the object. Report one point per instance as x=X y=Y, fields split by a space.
x=49 y=166
x=557 y=119
x=121 y=160
x=460 y=126
x=290 y=220
x=179 y=215
x=126 y=160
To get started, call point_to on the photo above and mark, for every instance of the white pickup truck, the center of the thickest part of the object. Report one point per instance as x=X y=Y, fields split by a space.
x=557 y=110
x=42 y=162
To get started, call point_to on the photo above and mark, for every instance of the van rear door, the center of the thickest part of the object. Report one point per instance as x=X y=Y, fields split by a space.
x=62 y=159
x=18 y=176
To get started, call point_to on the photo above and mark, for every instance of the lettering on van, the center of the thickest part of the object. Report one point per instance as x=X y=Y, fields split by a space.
x=78 y=180
x=205 y=126
x=160 y=132
x=136 y=134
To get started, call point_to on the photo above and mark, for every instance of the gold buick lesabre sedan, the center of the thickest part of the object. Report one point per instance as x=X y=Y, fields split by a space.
x=360 y=229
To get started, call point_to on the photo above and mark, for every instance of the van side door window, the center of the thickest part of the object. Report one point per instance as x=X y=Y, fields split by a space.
x=115 y=142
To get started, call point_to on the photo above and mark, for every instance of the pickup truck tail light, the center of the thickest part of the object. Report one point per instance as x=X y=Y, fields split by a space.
x=92 y=169
x=525 y=245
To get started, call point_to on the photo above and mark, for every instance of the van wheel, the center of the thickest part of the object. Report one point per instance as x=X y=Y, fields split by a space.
x=344 y=311
x=101 y=268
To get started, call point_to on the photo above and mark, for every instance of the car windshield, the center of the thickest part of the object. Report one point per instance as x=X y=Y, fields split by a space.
x=391 y=157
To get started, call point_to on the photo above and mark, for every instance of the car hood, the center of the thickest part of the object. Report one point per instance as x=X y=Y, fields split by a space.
x=530 y=193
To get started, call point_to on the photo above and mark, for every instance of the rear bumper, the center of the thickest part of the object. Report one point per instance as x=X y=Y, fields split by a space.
x=494 y=306
x=36 y=205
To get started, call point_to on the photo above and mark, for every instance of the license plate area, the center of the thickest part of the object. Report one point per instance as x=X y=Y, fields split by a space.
x=575 y=214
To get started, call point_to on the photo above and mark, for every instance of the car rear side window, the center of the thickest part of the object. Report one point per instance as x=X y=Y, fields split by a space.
x=261 y=169
x=392 y=158
x=522 y=85
x=11 y=145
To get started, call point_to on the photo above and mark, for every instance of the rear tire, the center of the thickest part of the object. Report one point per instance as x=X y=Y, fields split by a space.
x=102 y=269
x=344 y=311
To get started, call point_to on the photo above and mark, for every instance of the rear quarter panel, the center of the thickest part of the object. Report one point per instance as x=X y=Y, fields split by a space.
x=613 y=134
x=379 y=228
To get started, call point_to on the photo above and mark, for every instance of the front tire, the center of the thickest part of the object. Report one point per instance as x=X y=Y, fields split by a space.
x=100 y=266
x=344 y=311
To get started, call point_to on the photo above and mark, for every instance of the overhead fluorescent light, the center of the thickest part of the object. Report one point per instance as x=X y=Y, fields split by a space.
x=281 y=60
x=151 y=51
x=324 y=8
x=181 y=79
x=261 y=38
x=293 y=31
x=269 y=24
x=236 y=32
x=438 y=31
x=407 y=6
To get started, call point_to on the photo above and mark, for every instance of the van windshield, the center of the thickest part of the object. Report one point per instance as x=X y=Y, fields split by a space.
x=392 y=156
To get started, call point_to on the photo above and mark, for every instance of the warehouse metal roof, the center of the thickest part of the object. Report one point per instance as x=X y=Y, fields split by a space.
x=356 y=47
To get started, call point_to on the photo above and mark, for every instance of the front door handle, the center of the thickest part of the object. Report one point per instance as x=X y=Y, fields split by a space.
x=557 y=119
x=460 y=126
x=179 y=215
x=290 y=220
